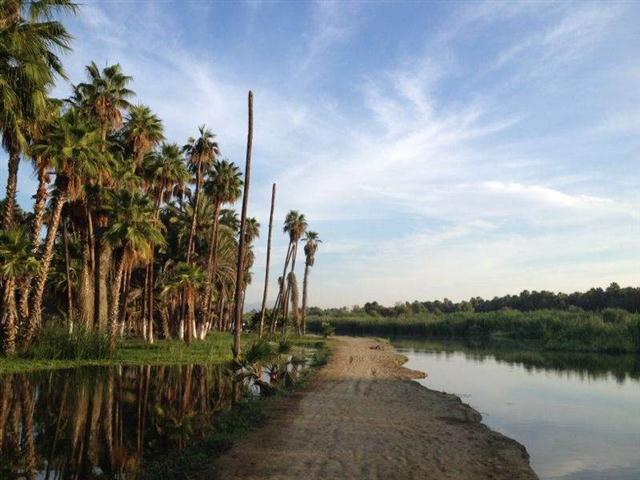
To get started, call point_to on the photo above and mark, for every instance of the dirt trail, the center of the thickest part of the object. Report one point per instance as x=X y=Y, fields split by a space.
x=363 y=418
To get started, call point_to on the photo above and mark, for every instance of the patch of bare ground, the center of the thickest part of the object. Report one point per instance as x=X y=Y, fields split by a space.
x=362 y=417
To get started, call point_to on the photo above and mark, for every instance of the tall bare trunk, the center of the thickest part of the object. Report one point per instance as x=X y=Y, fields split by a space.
x=242 y=240
x=12 y=187
x=35 y=318
x=266 y=271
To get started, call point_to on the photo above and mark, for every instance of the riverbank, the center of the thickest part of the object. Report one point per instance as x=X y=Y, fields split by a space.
x=609 y=331
x=215 y=349
x=363 y=417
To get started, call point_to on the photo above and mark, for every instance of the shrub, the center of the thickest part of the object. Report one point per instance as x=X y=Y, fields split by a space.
x=327 y=329
x=258 y=350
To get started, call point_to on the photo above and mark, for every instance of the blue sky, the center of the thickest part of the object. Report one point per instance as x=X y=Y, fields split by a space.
x=441 y=149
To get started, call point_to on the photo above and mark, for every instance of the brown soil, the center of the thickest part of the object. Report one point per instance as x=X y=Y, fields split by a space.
x=362 y=417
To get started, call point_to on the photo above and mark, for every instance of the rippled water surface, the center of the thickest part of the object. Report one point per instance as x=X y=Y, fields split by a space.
x=577 y=414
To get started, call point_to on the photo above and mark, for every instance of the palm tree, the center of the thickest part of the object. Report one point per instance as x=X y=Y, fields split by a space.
x=142 y=131
x=164 y=170
x=103 y=99
x=16 y=262
x=312 y=239
x=201 y=153
x=295 y=224
x=30 y=41
x=186 y=279
x=222 y=187
x=134 y=231
x=74 y=148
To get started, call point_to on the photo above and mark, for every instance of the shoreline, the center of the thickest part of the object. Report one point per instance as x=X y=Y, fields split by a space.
x=364 y=416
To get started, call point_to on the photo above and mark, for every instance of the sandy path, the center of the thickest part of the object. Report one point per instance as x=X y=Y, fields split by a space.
x=363 y=418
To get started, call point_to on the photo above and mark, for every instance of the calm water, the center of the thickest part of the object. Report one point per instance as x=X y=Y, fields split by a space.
x=107 y=422
x=577 y=414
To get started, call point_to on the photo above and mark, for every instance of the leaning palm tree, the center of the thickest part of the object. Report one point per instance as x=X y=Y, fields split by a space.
x=134 y=231
x=295 y=224
x=311 y=240
x=223 y=186
x=30 y=41
x=74 y=148
x=201 y=153
x=16 y=262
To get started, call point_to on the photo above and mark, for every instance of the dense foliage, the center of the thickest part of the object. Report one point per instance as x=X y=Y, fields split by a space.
x=593 y=300
x=130 y=234
x=608 y=331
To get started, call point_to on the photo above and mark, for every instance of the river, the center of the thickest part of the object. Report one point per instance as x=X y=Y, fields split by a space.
x=578 y=415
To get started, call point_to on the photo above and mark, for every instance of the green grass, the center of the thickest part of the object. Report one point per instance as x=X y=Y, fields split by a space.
x=216 y=348
x=613 y=332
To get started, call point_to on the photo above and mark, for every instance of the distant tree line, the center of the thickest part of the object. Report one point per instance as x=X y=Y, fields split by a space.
x=593 y=300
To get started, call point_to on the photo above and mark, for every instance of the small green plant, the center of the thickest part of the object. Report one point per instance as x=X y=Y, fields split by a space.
x=327 y=329
x=284 y=345
x=614 y=315
x=259 y=350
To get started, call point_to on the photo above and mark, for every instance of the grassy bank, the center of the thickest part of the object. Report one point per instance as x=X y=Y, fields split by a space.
x=608 y=331
x=53 y=352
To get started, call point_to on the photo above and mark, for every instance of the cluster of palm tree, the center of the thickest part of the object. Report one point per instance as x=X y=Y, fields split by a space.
x=130 y=234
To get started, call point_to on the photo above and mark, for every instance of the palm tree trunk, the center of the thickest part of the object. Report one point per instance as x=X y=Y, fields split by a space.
x=242 y=240
x=285 y=305
x=35 y=317
x=12 y=186
x=8 y=319
x=266 y=272
x=101 y=272
x=304 y=299
x=194 y=217
x=115 y=304
x=67 y=264
x=280 y=296
x=38 y=217
x=211 y=262
x=85 y=291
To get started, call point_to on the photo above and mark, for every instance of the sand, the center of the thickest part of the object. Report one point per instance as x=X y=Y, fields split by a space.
x=362 y=417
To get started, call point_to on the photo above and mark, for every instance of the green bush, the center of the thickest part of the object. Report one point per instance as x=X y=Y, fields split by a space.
x=327 y=329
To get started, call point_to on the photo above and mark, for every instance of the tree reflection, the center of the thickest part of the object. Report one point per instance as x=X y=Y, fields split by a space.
x=102 y=422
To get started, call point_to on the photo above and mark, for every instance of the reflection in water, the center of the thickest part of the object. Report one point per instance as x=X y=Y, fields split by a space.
x=100 y=422
x=577 y=414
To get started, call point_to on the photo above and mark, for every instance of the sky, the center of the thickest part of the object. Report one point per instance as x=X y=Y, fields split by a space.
x=441 y=149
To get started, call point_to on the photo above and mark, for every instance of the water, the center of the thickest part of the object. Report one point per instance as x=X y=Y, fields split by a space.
x=577 y=414
x=106 y=422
